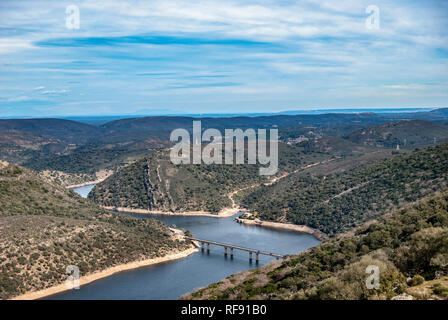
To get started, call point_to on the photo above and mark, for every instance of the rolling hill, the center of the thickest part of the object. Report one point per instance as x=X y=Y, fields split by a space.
x=406 y=134
x=337 y=201
x=45 y=228
x=145 y=124
x=155 y=184
x=64 y=130
x=409 y=247
x=80 y=150
x=76 y=149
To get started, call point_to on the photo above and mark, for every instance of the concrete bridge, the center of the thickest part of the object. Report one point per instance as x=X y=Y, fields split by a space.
x=232 y=247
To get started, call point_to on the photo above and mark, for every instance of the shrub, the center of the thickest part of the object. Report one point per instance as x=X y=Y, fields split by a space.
x=416 y=280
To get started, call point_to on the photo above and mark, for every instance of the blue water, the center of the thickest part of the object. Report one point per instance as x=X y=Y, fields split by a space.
x=172 y=279
x=84 y=191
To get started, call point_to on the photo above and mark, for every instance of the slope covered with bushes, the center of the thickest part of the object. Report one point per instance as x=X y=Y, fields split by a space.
x=154 y=183
x=410 y=248
x=45 y=228
x=338 y=201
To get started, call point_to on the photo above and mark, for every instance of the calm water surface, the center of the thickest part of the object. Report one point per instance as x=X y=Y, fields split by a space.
x=84 y=191
x=172 y=279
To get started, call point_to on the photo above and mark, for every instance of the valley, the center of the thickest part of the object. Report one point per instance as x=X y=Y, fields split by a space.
x=224 y=150
x=340 y=179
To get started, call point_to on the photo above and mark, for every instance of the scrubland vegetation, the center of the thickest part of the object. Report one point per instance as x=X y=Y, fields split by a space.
x=337 y=202
x=45 y=228
x=409 y=246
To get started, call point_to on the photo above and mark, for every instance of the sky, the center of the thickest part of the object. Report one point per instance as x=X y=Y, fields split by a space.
x=220 y=56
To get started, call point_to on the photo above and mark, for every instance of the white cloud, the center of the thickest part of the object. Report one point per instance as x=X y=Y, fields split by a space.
x=10 y=45
x=19 y=99
x=297 y=68
x=320 y=50
x=54 y=92
x=264 y=19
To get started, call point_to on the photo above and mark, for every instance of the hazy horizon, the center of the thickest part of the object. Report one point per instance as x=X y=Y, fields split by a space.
x=229 y=114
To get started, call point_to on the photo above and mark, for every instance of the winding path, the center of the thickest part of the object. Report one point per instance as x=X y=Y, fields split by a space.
x=272 y=181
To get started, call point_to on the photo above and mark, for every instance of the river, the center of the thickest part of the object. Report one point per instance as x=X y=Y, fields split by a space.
x=172 y=279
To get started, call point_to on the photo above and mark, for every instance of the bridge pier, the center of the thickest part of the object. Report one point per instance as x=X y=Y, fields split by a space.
x=202 y=242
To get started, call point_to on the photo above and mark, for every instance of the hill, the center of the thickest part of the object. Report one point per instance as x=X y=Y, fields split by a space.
x=155 y=184
x=94 y=157
x=334 y=146
x=75 y=151
x=17 y=145
x=45 y=228
x=81 y=150
x=64 y=130
x=406 y=134
x=409 y=247
x=326 y=121
x=336 y=201
x=145 y=124
x=440 y=111
x=32 y=142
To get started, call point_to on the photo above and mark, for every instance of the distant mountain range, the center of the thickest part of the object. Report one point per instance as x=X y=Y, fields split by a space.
x=101 y=119
x=79 y=147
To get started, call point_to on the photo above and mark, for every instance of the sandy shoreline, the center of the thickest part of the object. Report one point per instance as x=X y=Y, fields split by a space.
x=105 y=273
x=284 y=226
x=225 y=213
x=101 y=175
x=88 y=183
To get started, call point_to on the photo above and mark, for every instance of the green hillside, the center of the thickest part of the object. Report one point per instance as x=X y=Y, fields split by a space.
x=338 y=201
x=91 y=158
x=45 y=228
x=409 y=247
x=154 y=183
x=65 y=130
x=334 y=146
x=72 y=147
x=18 y=146
x=79 y=148
x=406 y=134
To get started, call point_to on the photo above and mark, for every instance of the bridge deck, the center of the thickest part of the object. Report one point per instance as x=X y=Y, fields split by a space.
x=227 y=245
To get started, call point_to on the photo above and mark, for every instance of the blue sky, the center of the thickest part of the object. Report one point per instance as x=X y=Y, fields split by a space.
x=220 y=56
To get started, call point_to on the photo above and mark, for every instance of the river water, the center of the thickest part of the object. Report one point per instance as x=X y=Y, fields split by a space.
x=172 y=279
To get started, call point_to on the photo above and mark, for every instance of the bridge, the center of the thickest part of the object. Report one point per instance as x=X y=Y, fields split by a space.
x=232 y=247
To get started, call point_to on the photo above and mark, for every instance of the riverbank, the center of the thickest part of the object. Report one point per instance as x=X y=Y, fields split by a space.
x=284 y=226
x=101 y=176
x=88 y=183
x=224 y=213
x=106 y=273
